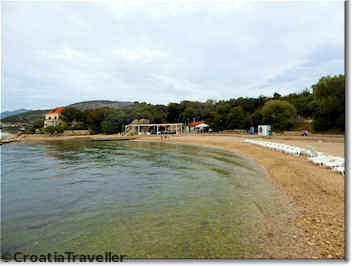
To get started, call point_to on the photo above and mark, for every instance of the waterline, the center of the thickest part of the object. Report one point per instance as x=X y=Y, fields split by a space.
x=141 y=199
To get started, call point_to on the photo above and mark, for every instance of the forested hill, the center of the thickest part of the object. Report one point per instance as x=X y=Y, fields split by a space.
x=25 y=118
x=31 y=116
x=99 y=103
x=10 y=113
x=323 y=104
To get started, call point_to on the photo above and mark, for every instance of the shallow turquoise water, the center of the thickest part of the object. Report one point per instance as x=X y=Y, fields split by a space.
x=140 y=199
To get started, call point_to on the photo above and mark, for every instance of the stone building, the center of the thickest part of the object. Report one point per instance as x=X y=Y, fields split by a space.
x=53 y=118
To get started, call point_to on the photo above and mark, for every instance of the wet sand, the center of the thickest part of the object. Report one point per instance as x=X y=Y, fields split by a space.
x=317 y=194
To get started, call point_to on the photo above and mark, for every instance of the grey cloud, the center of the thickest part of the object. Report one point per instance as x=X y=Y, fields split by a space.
x=162 y=51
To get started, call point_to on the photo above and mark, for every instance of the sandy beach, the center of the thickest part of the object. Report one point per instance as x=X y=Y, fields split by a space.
x=316 y=193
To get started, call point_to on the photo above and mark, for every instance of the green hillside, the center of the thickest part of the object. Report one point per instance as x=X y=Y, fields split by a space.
x=323 y=105
x=31 y=116
x=89 y=105
x=26 y=118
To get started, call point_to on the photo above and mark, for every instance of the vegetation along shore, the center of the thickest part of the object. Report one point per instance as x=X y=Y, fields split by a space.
x=319 y=109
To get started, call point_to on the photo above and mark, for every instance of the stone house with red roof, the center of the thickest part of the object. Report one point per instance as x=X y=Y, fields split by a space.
x=53 y=118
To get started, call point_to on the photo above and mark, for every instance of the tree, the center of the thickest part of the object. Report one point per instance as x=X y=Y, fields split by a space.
x=303 y=102
x=237 y=118
x=257 y=118
x=173 y=112
x=329 y=95
x=217 y=121
x=279 y=114
x=70 y=114
x=78 y=126
x=158 y=114
x=37 y=125
x=95 y=117
x=110 y=126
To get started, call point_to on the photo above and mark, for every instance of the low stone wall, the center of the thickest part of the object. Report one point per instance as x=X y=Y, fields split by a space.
x=235 y=131
x=292 y=133
x=76 y=133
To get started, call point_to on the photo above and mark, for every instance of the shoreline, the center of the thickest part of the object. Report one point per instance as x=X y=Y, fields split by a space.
x=317 y=194
x=46 y=138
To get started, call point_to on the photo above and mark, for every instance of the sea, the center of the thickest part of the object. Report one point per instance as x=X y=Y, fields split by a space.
x=5 y=134
x=140 y=199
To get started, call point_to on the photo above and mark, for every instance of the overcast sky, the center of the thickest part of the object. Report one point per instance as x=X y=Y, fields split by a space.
x=162 y=51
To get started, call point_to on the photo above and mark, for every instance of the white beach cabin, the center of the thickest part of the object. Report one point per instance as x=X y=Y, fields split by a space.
x=264 y=130
x=197 y=127
x=201 y=128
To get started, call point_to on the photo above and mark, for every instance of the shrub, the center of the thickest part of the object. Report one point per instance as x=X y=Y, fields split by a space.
x=29 y=131
x=64 y=125
x=50 y=130
x=36 y=125
x=59 y=129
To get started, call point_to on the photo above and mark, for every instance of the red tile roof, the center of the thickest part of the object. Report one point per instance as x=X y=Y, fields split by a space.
x=193 y=124
x=56 y=110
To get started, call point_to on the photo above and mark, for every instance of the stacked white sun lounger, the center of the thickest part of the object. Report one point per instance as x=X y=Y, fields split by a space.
x=336 y=164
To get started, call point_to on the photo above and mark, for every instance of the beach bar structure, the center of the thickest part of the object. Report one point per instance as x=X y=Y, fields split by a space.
x=142 y=128
x=198 y=127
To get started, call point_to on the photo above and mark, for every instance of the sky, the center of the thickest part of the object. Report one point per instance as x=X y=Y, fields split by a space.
x=161 y=51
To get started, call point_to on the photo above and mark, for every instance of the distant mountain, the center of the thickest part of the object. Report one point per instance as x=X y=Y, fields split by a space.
x=10 y=113
x=99 y=103
x=29 y=116
x=26 y=117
